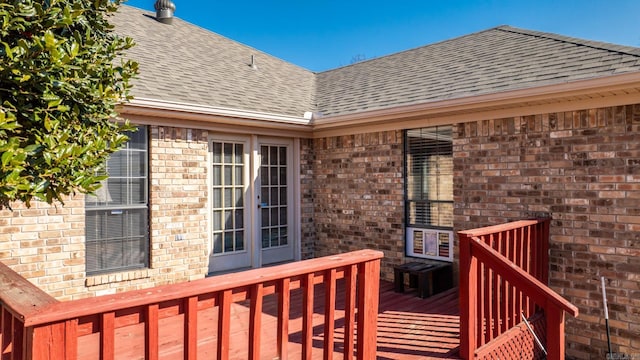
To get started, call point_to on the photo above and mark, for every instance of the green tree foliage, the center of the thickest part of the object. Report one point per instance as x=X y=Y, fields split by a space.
x=61 y=77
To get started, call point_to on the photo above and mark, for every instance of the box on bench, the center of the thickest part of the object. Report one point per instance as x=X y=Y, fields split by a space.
x=429 y=276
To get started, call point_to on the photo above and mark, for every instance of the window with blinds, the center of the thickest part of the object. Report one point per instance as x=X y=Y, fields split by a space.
x=117 y=215
x=429 y=178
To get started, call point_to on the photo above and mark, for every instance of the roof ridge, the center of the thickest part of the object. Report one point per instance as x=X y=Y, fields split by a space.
x=599 y=45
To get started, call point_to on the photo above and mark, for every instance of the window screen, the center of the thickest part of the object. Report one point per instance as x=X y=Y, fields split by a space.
x=429 y=177
x=116 y=216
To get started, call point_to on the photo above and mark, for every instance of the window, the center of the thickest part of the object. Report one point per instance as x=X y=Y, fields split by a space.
x=429 y=192
x=116 y=217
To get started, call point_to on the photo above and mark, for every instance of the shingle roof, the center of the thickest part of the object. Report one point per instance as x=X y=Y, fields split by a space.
x=185 y=63
x=494 y=60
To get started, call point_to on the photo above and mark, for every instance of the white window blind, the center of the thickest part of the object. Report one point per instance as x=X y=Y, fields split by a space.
x=116 y=217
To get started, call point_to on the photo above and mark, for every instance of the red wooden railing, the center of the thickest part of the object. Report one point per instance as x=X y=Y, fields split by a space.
x=46 y=329
x=503 y=274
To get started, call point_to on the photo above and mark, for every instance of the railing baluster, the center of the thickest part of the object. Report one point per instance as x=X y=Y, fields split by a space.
x=545 y=251
x=351 y=274
x=255 y=321
x=329 y=313
x=511 y=294
x=190 y=328
x=502 y=289
x=526 y=266
x=494 y=315
x=151 y=332
x=107 y=336
x=519 y=261
x=307 y=317
x=284 y=303
x=484 y=301
x=71 y=339
x=18 y=339
x=7 y=332
x=224 y=323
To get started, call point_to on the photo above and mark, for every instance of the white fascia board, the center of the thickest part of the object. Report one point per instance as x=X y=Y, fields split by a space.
x=146 y=103
x=467 y=103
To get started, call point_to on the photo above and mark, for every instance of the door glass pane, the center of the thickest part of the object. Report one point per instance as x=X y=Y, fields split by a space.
x=283 y=236
x=217 y=175
x=239 y=152
x=239 y=178
x=217 y=243
x=228 y=241
x=227 y=175
x=239 y=200
x=217 y=198
x=228 y=153
x=283 y=155
x=217 y=152
x=283 y=176
x=239 y=240
x=228 y=197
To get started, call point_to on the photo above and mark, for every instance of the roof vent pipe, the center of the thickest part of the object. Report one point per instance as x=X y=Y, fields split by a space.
x=164 y=11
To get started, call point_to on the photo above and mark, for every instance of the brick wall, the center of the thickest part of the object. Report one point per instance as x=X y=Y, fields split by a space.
x=359 y=195
x=581 y=168
x=179 y=204
x=308 y=233
x=46 y=244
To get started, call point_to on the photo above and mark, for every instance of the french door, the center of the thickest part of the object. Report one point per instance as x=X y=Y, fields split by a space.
x=276 y=198
x=252 y=192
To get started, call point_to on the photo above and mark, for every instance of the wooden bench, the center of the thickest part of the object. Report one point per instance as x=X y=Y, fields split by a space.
x=430 y=277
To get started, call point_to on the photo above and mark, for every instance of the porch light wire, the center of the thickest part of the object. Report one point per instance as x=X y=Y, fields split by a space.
x=526 y=322
x=606 y=315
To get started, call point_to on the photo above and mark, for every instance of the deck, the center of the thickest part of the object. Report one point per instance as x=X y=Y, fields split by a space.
x=325 y=308
x=408 y=328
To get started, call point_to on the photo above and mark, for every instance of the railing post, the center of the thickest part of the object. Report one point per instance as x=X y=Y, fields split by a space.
x=555 y=332
x=544 y=246
x=468 y=300
x=368 y=296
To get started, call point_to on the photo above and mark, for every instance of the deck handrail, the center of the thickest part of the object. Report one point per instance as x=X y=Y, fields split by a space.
x=19 y=299
x=51 y=331
x=534 y=288
x=503 y=273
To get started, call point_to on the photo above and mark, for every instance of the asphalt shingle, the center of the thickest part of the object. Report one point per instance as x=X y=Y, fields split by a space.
x=185 y=63
x=494 y=60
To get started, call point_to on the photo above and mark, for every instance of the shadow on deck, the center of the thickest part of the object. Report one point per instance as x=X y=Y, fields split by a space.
x=408 y=328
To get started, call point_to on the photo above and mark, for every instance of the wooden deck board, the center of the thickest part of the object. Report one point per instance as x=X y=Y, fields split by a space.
x=408 y=328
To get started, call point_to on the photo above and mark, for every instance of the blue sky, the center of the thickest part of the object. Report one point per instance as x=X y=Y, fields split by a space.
x=321 y=35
